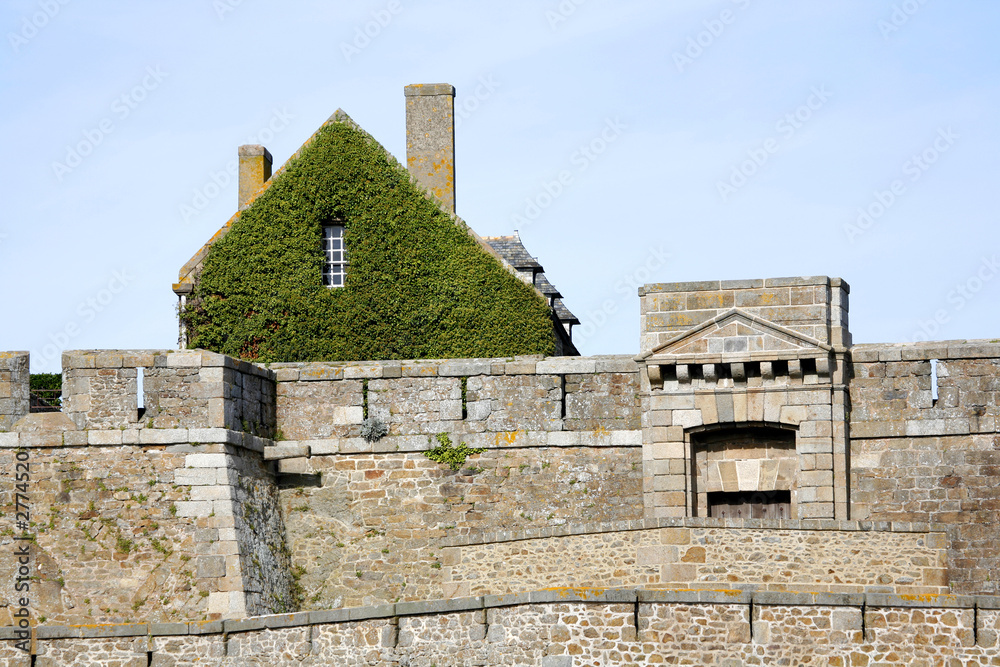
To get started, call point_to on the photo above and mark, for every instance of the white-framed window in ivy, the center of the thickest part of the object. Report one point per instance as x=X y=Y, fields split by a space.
x=334 y=256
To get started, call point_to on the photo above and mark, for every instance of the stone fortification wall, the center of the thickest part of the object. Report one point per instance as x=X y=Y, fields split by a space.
x=366 y=520
x=161 y=532
x=560 y=628
x=108 y=546
x=914 y=458
x=14 y=388
x=827 y=556
x=188 y=389
x=373 y=531
x=483 y=400
x=815 y=306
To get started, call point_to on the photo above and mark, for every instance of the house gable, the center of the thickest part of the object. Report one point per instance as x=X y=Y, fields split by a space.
x=419 y=283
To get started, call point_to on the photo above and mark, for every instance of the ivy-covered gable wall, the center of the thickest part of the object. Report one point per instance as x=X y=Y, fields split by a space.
x=418 y=285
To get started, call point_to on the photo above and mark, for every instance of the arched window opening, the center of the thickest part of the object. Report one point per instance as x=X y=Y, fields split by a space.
x=743 y=472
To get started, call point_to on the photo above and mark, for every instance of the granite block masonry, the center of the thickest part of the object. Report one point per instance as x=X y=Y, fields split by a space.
x=430 y=139
x=842 y=494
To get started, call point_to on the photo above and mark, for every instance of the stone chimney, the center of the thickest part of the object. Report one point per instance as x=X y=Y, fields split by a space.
x=255 y=170
x=430 y=138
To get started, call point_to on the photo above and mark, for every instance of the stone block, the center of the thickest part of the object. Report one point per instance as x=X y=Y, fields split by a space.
x=792 y=414
x=565 y=365
x=164 y=436
x=211 y=492
x=211 y=566
x=465 y=367
x=286 y=451
x=187 y=508
x=195 y=476
x=678 y=573
x=112 y=437
x=686 y=418
x=748 y=474
x=206 y=461
x=182 y=359
x=207 y=435
x=298 y=466
x=729 y=476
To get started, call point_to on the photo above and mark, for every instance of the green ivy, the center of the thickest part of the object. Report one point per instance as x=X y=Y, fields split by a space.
x=418 y=285
x=448 y=454
x=46 y=381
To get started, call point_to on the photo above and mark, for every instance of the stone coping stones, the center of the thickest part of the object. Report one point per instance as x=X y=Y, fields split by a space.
x=545 y=596
x=943 y=350
x=692 y=522
x=170 y=437
x=160 y=359
x=520 y=365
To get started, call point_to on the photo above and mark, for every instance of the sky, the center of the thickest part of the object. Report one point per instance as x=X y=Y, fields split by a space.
x=628 y=142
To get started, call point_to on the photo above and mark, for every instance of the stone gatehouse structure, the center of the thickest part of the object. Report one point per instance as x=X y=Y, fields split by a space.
x=750 y=487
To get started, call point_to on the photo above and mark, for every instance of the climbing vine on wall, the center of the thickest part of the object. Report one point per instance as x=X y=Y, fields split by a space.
x=418 y=286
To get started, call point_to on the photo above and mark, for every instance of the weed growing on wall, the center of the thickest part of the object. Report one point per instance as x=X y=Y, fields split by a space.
x=451 y=456
x=418 y=285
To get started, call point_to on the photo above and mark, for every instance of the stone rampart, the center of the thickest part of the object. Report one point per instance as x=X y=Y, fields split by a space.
x=828 y=556
x=558 y=628
x=483 y=400
x=914 y=458
x=163 y=532
x=891 y=389
x=562 y=444
x=14 y=388
x=187 y=389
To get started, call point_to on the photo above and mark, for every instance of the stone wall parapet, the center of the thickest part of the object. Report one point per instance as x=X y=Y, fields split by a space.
x=14 y=388
x=893 y=389
x=941 y=350
x=139 y=437
x=316 y=371
x=547 y=596
x=474 y=399
x=693 y=522
x=187 y=389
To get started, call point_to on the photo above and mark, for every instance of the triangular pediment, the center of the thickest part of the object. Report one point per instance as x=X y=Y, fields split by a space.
x=737 y=333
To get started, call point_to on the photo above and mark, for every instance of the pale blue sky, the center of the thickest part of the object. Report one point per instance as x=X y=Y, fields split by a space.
x=88 y=251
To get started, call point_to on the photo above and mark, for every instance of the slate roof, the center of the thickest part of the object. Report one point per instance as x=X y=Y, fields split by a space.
x=515 y=254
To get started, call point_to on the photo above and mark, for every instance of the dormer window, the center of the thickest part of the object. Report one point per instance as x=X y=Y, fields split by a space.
x=334 y=256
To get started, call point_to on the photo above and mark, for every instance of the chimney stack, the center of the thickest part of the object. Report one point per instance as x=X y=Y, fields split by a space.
x=430 y=138
x=255 y=170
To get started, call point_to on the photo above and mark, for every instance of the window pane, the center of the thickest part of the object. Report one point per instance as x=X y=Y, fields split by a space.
x=335 y=256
